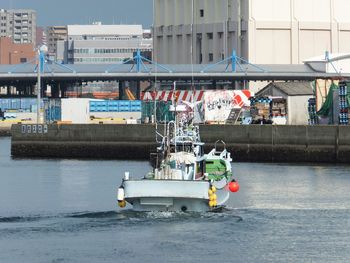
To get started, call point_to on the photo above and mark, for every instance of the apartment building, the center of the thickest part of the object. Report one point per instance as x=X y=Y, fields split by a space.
x=53 y=35
x=18 y=24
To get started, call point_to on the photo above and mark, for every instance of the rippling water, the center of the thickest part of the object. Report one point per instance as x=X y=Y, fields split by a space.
x=65 y=211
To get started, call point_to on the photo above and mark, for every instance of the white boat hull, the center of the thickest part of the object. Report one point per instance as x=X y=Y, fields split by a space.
x=167 y=195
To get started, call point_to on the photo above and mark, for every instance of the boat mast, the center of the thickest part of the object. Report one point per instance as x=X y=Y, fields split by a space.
x=175 y=126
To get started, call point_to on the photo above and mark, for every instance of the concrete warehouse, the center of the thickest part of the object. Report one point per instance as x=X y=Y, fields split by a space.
x=262 y=31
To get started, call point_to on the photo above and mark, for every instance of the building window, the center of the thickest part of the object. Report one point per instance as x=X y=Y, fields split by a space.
x=201 y=12
x=211 y=57
x=23 y=60
x=210 y=35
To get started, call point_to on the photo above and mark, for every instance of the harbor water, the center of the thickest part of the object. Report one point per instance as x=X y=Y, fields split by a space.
x=54 y=210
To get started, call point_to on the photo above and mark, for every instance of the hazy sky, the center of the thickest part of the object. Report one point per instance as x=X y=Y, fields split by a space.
x=64 y=12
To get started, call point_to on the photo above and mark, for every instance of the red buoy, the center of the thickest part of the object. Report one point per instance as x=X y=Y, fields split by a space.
x=233 y=186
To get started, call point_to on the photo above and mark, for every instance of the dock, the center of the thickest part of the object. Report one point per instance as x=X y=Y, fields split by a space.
x=247 y=143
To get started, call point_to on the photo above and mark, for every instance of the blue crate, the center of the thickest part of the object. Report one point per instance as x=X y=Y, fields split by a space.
x=125 y=103
x=102 y=108
x=135 y=103
x=113 y=103
x=124 y=108
x=5 y=104
x=113 y=108
x=135 y=108
x=15 y=104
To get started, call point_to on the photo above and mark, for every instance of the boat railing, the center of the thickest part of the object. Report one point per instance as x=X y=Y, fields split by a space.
x=222 y=142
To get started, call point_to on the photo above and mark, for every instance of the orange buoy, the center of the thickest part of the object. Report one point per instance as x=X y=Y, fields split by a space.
x=233 y=186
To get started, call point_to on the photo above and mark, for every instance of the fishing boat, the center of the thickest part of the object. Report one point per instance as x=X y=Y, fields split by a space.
x=183 y=178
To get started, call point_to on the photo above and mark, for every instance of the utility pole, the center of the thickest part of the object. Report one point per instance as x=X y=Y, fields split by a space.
x=40 y=69
x=38 y=88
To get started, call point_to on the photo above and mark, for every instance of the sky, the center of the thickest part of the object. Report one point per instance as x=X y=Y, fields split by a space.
x=67 y=12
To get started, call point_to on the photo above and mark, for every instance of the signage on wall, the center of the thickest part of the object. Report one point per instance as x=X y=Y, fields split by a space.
x=34 y=128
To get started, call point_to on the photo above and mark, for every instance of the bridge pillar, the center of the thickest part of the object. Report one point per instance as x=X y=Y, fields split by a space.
x=214 y=84
x=63 y=89
x=138 y=90
x=43 y=89
x=32 y=90
x=121 y=89
x=55 y=92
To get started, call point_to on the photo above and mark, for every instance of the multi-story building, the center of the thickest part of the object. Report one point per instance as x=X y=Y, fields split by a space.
x=53 y=35
x=100 y=44
x=262 y=31
x=11 y=53
x=19 y=24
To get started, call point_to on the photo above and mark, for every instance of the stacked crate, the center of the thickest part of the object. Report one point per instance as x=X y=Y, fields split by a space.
x=313 y=118
x=18 y=104
x=343 y=104
x=115 y=106
x=278 y=107
x=260 y=107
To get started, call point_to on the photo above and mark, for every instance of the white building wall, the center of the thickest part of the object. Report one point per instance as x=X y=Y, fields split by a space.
x=297 y=110
x=75 y=110
x=271 y=31
x=310 y=28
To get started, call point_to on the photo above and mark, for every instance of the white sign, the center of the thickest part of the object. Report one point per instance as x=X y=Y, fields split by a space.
x=219 y=103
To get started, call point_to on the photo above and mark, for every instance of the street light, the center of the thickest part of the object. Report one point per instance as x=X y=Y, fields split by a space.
x=41 y=61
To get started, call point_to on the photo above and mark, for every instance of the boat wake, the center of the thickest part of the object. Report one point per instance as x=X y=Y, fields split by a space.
x=125 y=215
x=20 y=219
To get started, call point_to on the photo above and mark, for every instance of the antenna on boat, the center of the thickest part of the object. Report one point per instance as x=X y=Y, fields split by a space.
x=192 y=74
x=155 y=102
x=155 y=80
x=175 y=117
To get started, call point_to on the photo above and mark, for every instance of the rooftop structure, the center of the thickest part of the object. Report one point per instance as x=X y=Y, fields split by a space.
x=99 y=30
x=292 y=88
x=101 y=44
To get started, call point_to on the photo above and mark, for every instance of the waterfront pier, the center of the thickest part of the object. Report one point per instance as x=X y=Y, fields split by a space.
x=253 y=143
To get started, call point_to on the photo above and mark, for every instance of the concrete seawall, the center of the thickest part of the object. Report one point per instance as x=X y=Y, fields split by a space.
x=260 y=143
